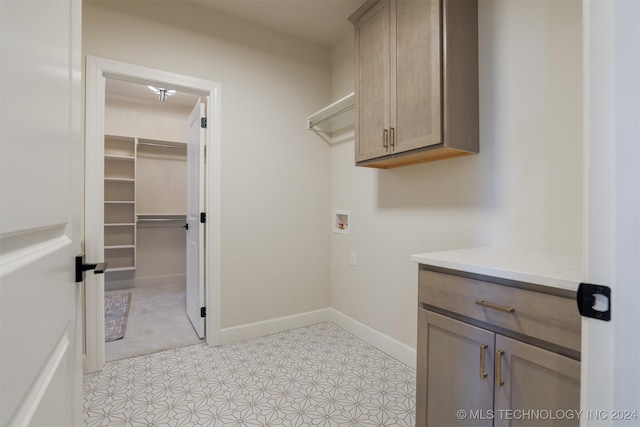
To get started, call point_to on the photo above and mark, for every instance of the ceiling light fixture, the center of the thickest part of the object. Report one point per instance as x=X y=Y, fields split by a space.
x=162 y=93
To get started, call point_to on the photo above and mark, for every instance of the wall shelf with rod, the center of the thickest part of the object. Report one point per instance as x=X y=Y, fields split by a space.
x=154 y=220
x=161 y=143
x=167 y=216
x=334 y=123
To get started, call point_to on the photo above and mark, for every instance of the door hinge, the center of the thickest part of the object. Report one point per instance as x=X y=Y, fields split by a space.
x=203 y=217
x=203 y=122
x=203 y=311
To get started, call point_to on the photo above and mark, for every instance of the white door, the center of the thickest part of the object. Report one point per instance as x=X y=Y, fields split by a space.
x=610 y=350
x=41 y=173
x=195 y=229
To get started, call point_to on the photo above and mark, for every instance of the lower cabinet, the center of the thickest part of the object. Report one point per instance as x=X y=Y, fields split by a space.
x=470 y=376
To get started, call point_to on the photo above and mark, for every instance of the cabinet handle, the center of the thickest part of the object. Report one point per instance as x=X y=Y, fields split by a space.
x=385 y=138
x=392 y=137
x=499 y=382
x=483 y=350
x=498 y=307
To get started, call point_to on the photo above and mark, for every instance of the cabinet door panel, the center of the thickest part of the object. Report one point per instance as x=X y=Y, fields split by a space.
x=416 y=112
x=539 y=387
x=372 y=81
x=449 y=367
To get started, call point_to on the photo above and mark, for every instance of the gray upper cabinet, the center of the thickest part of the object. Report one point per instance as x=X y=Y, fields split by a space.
x=373 y=83
x=416 y=81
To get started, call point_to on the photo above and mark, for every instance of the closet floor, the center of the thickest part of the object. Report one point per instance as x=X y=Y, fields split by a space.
x=157 y=321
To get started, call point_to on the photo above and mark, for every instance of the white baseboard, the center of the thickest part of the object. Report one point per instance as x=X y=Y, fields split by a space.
x=273 y=326
x=389 y=345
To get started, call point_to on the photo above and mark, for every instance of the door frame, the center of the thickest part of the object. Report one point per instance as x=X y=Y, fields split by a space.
x=97 y=71
x=611 y=230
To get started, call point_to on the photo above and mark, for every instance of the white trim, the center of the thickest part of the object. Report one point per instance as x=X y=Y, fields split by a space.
x=94 y=347
x=389 y=345
x=213 y=230
x=273 y=326
x=97 y=70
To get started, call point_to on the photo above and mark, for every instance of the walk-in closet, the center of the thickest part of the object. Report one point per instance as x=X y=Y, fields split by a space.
x=145 y=232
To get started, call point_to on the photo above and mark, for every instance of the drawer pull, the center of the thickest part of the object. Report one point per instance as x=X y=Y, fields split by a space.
x=502 y=308
x=499 y=382
x=483 y=350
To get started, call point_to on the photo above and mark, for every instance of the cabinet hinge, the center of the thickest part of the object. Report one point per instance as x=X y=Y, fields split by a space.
x=203 y=122
x=203 y=217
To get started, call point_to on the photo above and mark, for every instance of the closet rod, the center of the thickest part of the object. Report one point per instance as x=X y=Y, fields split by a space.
x=155 y=144
x=160 y=219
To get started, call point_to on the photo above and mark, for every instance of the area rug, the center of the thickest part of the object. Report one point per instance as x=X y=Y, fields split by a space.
x=116 y=309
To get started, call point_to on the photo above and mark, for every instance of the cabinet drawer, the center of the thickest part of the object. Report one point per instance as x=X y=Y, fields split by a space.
x=545 y=317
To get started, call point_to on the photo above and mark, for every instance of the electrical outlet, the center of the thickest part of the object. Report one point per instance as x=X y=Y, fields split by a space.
x=353 y=258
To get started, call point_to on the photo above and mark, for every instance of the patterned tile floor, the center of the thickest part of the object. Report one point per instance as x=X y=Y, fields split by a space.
x=315 y=376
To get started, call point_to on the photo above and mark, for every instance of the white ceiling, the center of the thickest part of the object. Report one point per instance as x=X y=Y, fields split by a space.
x=118 y=89
x=323 y=22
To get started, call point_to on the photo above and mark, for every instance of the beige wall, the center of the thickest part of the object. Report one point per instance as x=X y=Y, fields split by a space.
x=342 y=63
x=154 y=121
x=523 y=190
x=280 y=182
x=275 y=174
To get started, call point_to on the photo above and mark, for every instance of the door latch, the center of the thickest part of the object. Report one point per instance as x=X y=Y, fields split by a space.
x=594 y=301
x=81 y=267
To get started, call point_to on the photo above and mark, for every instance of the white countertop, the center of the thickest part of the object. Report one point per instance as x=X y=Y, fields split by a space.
x=555 y=269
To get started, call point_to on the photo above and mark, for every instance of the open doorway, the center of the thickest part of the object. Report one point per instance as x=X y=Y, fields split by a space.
x=144 y=214
x=146 y=194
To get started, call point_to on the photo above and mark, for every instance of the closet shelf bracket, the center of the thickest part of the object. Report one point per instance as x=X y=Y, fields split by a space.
x=334 y=123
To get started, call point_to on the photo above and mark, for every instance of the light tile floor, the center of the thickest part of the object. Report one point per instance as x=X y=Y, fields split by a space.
x=320 y=375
